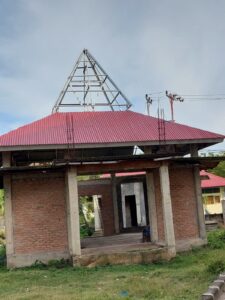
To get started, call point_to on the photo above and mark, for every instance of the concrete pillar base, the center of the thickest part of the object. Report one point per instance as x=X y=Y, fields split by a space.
x=200 y=211
x=25 y=260
x=76 y=261
x=152 y=207
x=73 y=220
x=167 y=209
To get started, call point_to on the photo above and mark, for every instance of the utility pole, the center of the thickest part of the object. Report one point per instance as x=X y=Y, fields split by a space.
x=148 y=103
x=172 y=98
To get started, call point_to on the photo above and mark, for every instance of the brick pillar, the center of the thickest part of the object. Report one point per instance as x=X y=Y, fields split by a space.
x=115 y=204
x=73 y=220
x=152 y=206
x=167 y=209
x=200 y=210
x=6 y=162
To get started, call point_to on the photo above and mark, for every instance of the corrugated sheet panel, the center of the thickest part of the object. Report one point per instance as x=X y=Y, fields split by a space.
x=99 y=128
x=213 y=181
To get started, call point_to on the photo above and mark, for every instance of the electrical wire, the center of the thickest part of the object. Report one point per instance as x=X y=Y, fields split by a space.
x=212 y=97
x=156 y=93
x=204 y=99
x=206 y=95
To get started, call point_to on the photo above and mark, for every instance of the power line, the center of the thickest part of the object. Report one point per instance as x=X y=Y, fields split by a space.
x=204 y=99
x=205 y=95
x=191 y=99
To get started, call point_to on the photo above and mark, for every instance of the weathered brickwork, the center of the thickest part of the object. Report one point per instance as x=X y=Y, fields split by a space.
x=39 y=214
x=39 y=209
x=103 y=188
x=183 y=203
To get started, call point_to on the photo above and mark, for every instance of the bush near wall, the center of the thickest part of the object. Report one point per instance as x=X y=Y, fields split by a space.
x=2 y=237
x=2 y=256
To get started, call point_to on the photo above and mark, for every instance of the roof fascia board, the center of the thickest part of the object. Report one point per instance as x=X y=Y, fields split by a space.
x=108 y=145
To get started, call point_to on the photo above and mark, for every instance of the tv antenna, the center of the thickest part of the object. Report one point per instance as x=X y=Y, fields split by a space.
x=172 y=98
x=89 y=86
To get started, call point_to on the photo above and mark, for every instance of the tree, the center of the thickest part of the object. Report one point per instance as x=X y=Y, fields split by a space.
x=86 y=210
x=219 y=169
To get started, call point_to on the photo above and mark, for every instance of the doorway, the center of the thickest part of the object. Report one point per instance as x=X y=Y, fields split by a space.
x=131 y=211
x=133 y=205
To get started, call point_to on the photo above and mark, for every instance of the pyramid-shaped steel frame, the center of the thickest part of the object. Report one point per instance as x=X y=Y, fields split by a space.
x=89 y=86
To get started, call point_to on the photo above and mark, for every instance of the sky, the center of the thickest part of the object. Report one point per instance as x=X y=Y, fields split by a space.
x=146 y=46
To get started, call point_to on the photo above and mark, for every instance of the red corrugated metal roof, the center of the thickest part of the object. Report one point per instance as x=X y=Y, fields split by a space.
x=98 y=128
x=213 y=181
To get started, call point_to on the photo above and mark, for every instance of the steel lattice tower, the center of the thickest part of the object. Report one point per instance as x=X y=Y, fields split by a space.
x=89 y=86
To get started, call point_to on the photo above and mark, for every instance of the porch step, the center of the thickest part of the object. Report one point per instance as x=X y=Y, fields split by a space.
x=98 y=233
x=131 y=256
x=211 y=225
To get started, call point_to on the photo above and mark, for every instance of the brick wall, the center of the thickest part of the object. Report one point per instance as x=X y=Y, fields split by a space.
x=103 y=188
x=39 y=209
x=183 y=203
x=39 y=213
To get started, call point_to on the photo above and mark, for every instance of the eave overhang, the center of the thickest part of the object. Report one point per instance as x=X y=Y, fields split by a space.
x=110 y=145
x=134 y=163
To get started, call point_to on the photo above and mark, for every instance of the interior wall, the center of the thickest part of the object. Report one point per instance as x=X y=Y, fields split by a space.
x=136 y=189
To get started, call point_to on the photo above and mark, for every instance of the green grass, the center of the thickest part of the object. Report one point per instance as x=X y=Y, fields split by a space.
x=185 y=277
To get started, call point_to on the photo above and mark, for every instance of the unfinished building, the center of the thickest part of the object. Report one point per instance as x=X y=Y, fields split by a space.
x=43 y=161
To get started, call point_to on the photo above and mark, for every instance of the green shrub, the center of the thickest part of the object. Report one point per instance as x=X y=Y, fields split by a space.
x=2 y=205
x=2 y=256
x=216 y=267
x=216 y=239
x=54 y=263
x=86 y=231
x=38 y=264
x=2 y=234
x=59 y=263
x=2 y=237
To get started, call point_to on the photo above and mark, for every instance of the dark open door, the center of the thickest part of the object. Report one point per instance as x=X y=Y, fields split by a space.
x=130 y=203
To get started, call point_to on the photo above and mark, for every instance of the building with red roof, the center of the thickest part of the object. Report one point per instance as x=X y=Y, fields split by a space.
x=211 y=180
x=41 y=160
x=43 y=165
x=213 y=192
x=107 y=129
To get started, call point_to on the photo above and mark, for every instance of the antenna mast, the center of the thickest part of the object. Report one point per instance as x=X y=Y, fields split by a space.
x=148 y=103
x=172 y=98
x=89 y=86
